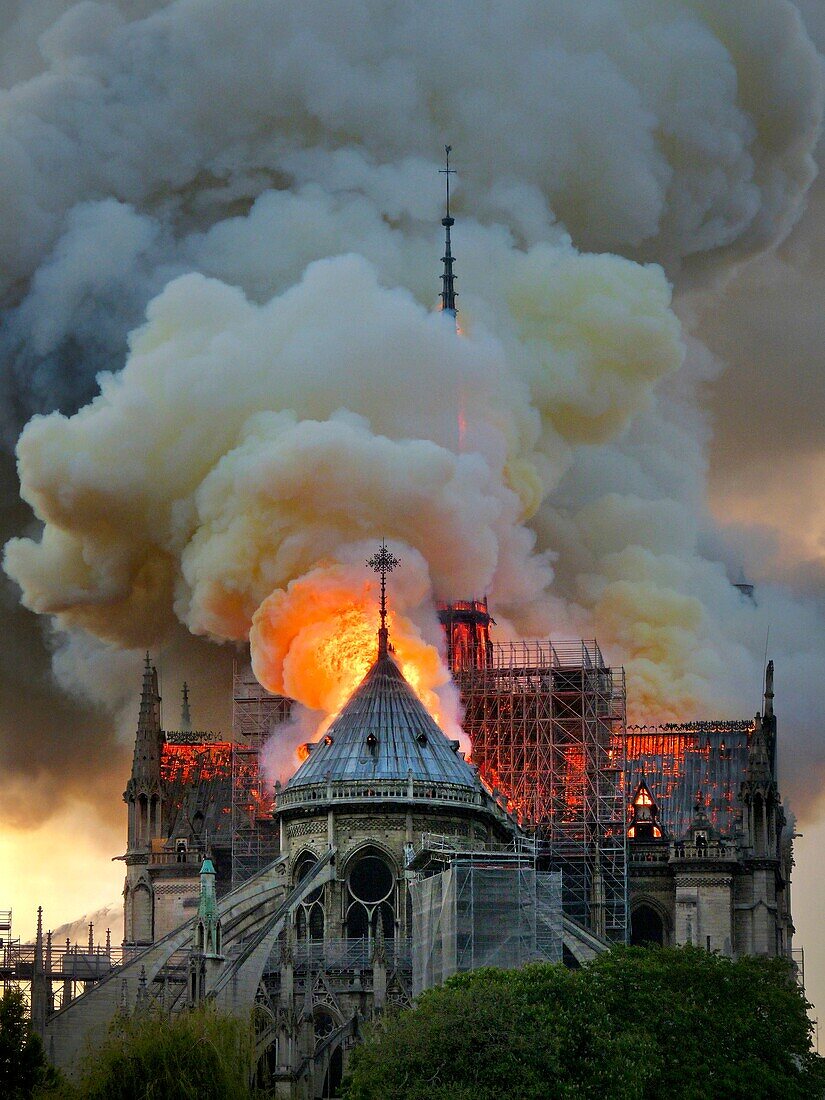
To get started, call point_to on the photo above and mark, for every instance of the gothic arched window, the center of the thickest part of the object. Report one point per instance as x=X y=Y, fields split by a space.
x=309 y=919
x=370 y=897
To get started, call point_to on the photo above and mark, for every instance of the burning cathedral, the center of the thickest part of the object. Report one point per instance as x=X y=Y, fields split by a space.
x=388 y=861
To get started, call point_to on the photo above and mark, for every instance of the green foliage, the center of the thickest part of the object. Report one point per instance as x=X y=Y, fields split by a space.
x=23 y=1064
x=198 y=1055
x=636 y=1024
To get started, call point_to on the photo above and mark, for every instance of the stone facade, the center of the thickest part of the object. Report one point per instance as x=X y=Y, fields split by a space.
x=727 y=893
x=319 y=941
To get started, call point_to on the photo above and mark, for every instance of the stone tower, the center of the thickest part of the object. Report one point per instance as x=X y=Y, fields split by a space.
x=726 y=891
x=144 y=799
x=763 y=909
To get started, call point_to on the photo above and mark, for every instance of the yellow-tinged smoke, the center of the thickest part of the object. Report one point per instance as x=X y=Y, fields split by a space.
x=245 y=445
x=295 y=406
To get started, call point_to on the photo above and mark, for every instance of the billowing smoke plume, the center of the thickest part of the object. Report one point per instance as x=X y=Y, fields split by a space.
x=291 y=394
x=243 y=446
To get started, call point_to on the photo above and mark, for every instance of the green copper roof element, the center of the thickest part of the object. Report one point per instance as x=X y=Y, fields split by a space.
x=207 y=925
x=384 y=732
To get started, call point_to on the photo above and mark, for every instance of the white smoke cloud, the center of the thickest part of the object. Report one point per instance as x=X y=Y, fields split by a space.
x=242 y=445
x=679 y=133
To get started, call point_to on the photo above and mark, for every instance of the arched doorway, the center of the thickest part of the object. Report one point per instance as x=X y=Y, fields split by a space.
x=646 y=927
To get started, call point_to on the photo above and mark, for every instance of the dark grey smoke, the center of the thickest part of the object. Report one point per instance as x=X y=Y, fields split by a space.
x=133 y=133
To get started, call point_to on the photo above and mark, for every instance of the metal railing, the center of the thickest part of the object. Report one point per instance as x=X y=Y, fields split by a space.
x=340 y=954
x=393 y=790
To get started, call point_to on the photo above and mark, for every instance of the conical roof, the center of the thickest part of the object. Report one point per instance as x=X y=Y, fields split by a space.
x=384 y=732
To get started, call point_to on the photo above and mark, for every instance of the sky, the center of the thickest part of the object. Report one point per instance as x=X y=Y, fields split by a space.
x=223 y=376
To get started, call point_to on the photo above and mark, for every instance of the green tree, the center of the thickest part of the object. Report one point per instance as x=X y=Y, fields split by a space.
x=197 y=1055
x=636 y=1024
x=23 y=1065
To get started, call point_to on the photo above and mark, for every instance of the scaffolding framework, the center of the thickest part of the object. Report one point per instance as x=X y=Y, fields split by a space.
x=547 y=721
x=62 y=970
x=481 y=908
x=256 y=715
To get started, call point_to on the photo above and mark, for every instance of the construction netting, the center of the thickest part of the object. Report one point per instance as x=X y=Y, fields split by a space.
x=473 y=915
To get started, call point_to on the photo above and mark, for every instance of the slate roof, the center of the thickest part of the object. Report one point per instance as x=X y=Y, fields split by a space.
x=384 y=732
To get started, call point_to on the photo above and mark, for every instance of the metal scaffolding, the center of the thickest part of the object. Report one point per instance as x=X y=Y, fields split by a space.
x=256 y=714
x=482 y=907
x=61 y=970
x=546 y=722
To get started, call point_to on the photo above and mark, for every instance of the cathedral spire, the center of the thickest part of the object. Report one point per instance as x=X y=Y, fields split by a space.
x=39 y=986
x=768 y=712
x=185 y=716
x=149 y=738
x=448 y=292
x=383 y=562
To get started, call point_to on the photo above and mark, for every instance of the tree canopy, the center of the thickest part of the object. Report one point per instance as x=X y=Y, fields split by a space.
x=636 y=1024
x=23 y=1064
x=197 y=1055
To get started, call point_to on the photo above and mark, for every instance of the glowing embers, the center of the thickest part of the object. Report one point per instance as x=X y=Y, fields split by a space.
x=675 y=761
x=195 y=763
x=644 y=816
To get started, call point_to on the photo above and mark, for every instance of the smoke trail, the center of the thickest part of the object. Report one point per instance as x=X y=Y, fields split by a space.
x=207 y=475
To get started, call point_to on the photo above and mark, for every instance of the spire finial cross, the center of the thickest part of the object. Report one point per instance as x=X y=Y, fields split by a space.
x=446 y=173
x=383 y=562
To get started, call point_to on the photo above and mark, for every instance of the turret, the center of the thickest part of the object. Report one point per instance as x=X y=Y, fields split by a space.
x=759 y=791
x=144 y=798
x=206 y=955
x=143 y=792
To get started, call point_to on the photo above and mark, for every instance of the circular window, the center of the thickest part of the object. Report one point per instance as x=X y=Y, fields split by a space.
x=371 y=880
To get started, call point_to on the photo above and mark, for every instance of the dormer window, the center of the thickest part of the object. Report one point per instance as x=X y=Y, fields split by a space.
x=644 y=816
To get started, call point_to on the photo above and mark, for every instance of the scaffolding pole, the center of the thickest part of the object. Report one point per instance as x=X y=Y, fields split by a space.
x=546 y=721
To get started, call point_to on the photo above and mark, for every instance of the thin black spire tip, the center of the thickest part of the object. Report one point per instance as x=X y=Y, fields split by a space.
x=448 y=291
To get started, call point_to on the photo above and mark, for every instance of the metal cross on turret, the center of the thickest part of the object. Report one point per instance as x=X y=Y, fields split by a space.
x=383 y=562
x=448 y=294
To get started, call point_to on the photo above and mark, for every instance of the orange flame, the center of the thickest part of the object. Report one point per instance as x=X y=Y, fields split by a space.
x=316 y=640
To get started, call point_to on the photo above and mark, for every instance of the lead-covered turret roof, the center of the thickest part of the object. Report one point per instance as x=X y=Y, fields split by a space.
x=385 y=732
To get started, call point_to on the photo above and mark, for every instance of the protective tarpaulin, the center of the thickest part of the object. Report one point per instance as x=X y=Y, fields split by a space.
x=473 y=915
